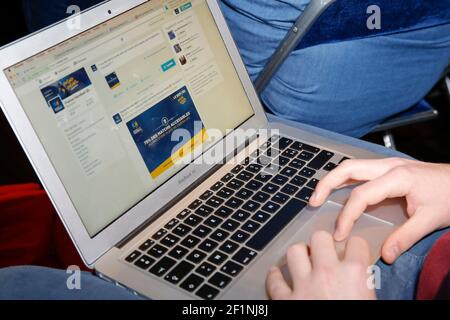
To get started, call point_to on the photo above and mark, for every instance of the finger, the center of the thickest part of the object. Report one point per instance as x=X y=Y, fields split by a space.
x=298 y=263
x=323 y=249
x=391 y=185
x=357 y=250
x=277 y=288
x=416 y=228
x=352 y=171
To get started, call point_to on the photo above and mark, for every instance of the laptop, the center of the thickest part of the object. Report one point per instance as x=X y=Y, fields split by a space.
x=147 y=133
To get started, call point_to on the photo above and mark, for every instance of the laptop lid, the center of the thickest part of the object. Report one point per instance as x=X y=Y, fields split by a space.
x=115 y=106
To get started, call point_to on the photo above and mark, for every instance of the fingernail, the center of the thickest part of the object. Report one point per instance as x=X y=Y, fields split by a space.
x=314 y=197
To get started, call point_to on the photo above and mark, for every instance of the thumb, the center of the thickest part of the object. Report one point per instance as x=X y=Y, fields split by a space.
x=417 y=227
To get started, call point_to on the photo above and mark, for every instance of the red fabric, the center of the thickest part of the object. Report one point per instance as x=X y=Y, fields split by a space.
x=435 y=269
x=30 y=231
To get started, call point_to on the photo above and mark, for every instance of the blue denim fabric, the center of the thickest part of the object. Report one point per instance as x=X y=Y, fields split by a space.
x=38 y=283
x=347 y=87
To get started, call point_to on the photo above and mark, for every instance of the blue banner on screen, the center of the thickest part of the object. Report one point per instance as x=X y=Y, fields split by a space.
x=152 y=131
x=56 y=92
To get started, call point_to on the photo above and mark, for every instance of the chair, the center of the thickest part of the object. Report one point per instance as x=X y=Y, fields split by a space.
x=327 y=21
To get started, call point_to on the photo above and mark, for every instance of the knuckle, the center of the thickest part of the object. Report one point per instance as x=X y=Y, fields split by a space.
x=295 y=248
x=321 y=235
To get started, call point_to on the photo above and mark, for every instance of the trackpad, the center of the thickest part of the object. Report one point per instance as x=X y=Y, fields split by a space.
x=372 y=229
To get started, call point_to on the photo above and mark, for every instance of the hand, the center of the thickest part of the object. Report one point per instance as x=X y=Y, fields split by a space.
x=425 y=186
x=324 y=276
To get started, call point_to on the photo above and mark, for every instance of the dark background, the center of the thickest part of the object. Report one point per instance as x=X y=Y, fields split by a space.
x=429 y=141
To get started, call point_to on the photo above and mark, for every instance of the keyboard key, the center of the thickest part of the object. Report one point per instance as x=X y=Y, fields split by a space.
x=190 y=241
x=297 y=164
x=196 y=256
x=132 y=256
x=201 y=231
x=263 y=177
x=280 y=198
x=254 y=167
x=206 y=195
x=157 y=251
x=244 y=194
x=204 y=211
x=220 y=280
x=240 y=215
x=215 y=202
x=217 y=186
x=305 y=194
x=305 y=155
x=146 y=245
x=179 y=272
x=270 y=188
x=213 y=221
x=229 y=247
x=207 y=292
x=144 y=262
x=227 y=177
x=170 y=240
x=250 y=226
x=178 y=252
x=162 y=266
x=192 y=283
x=261 y=217
x=297 y=146
x=225 y=193
x=193 y=220
x=181 y=230
x=194 y=205
x=240 y=236
x=298 y=181
x=251 y=206
x=289 y=172
x=280 y=180
x=321 y=159
x=230 y=225
x=171 y=224
x=289 y=189
x=234 y=203
x=264 y=160
x=159 y=234
x=309 y=148
x=237 y=169
x=219 y=235
x=223 y=212
x=235 y=184
x=313 y=183
x=269 y=172
x=330 y=166
x=217 y=258
x=281 y=161
x=244 y=256
x=208 y=245
x=271 y=229
x=290 y=153
x=246 y=161
x=283 y=143
x=205 y=269
x=306 y=172
x=244 y=176
x=254 y=185
x=231 y=268
x=343 y=159
x=271 y=207
x=261 y=197
x=183 y=214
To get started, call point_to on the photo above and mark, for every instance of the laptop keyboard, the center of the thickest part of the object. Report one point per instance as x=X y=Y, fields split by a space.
x=218 y=235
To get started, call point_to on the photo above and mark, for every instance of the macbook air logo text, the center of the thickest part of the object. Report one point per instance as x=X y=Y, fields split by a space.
x=186 y=177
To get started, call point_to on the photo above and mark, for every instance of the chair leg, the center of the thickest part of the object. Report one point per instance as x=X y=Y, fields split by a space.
x=388 y=140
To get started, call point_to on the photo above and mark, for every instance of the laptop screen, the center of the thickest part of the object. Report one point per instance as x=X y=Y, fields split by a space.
x=120 y=107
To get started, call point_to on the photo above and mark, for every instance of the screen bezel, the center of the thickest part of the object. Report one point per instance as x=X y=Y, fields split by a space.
x=93 y=248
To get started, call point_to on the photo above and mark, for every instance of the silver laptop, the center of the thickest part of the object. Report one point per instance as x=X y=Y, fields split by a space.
x=142 y=123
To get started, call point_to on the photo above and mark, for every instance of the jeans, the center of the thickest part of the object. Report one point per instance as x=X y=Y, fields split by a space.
x=398 y=281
